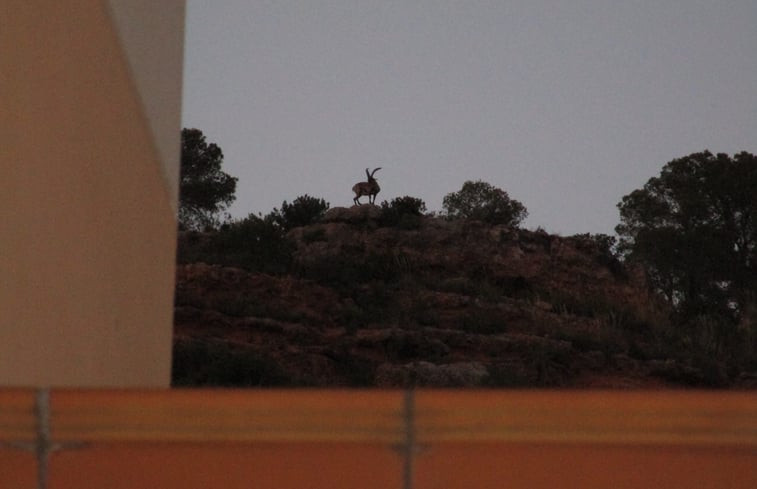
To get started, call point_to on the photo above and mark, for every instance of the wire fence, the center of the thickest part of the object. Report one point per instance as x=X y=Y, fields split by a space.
x=366 y=438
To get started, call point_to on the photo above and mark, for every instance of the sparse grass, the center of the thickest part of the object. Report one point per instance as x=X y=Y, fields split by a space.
x=480 y=289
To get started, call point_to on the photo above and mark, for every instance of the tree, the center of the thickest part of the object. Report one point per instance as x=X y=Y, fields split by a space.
x=205 y=191
x=253 y=243
x=303 y=211
x=404 y=212
x=482 y=201
x=694 y=228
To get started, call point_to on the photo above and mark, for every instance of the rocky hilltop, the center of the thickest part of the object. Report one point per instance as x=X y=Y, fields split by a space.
x=423 y=302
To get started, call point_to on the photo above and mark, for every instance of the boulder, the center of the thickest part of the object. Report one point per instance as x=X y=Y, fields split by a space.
x=353 y=215
x=427 y=374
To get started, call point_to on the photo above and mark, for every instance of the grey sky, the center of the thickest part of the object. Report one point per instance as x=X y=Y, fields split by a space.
x=567 y=104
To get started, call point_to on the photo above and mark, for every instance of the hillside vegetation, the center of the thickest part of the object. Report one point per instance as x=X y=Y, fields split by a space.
x=391 y=296
x=373 y=296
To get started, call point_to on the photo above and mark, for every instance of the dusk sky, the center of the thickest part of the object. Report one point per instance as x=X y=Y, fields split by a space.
x=566 y=105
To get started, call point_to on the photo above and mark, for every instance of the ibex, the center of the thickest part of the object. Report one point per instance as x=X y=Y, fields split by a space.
x=369 y=188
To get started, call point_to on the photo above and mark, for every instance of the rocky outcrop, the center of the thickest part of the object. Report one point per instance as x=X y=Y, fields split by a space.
x=438 y=304
x=427 y=374
x=353 y=215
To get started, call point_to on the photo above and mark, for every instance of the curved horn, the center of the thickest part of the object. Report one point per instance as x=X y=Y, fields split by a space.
x=367 y=174
x=374 y=171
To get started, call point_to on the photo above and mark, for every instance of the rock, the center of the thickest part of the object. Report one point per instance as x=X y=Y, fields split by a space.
x=449 y=303
x=403 y=345
x=427 y=374
x=354 y=215
x=747 y=380
x=593 y=360
x=684 y=374
x=624 y=362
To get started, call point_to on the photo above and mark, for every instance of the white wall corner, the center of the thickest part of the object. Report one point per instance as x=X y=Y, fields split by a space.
x=152 y=39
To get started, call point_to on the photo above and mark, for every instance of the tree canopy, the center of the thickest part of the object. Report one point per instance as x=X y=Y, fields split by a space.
x=205 y=191
x=404 y=212
x=302 y=211
x=694 y=228
x=485 y=202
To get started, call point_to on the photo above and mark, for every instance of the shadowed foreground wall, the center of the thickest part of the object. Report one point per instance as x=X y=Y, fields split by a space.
x=87 y=219
x=380 y=439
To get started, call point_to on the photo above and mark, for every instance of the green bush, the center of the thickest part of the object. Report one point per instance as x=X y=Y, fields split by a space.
x=254 y=244
x=303 y=211
x=403 y=212
x=484 y=202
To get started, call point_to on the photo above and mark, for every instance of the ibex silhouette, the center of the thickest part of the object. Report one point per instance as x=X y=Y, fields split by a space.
x=369 y=188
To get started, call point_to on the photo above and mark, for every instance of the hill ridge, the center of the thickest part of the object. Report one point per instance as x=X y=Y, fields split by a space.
x=422 y=302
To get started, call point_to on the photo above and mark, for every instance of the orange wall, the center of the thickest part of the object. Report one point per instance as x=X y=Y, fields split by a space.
x=382 y=439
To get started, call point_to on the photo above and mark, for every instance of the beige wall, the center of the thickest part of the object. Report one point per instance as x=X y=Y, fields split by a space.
x=87 y=220
x=152 y=37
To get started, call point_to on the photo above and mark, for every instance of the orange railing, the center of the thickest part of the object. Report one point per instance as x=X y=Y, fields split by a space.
x=382 y=439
